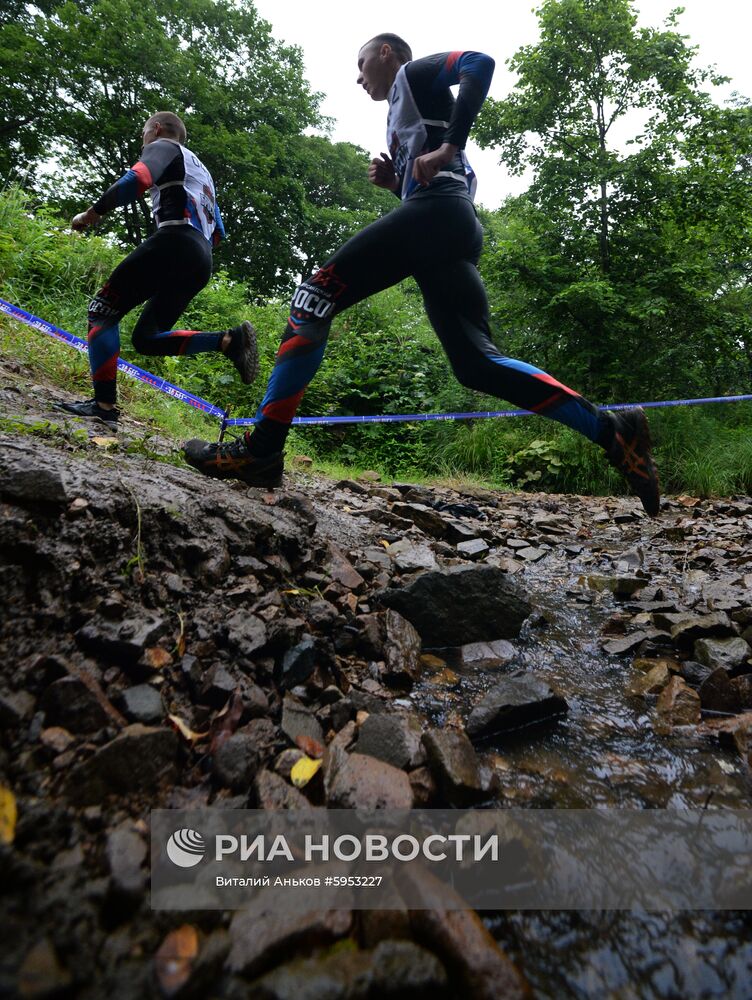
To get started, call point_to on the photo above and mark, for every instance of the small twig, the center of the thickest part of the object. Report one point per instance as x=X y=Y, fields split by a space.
x=138 y=559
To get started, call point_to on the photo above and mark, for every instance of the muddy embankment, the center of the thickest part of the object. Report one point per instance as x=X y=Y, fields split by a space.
x=171 y=641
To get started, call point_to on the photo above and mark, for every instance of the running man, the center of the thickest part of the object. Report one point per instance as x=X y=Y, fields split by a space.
x=434 y=235
x=166 y=271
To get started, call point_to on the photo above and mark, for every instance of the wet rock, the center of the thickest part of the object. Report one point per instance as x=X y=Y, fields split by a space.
x=236 y=762
x=121 y=642
x=427 y=519
x=136 y=761
x=742 y=687
x=455 y=766
x=395 y=739
x=401 y=650
x=342 y=571
x=246 y=633
x=41 y=975
x=458 y=531
x=298 y=663
x=618 y=647
x=646 y=663
x=70 y=703
x=356 y=781
x=684 y=628
x=473 y=549
x=717 y=693
x=678 y=704
x=261 y=937
x=394 y=969
x=485 y=655
x=408 y=557
x=141 y=703
x=477 y=966
x=424 y=786
x=298 y=720
x=126 y=852
x=727 y=654
x=352 y=486
x=15 y=706
x=28 y=483
x=273 y=792
x=653 y=682
x=323 y=615
x=531 y=554
x=514 y=702
x=735 y=734
x=694 y=673
x=219 y=684
x=620 y=586
x=464 y=604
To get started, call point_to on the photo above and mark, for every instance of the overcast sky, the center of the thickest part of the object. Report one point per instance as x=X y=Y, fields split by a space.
x=331 y=32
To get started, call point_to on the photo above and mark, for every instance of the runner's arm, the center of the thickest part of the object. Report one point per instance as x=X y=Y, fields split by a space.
x=147 y=171
x=219 y=233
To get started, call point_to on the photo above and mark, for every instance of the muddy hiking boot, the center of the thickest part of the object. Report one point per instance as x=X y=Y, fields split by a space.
x=243 y=351
x=90 y=408
x=232 y=460
x=630 y=453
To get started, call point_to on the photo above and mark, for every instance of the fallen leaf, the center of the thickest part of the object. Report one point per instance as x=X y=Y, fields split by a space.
x=303 y=770
x=185 y=731
x=8 y=815
x=157 y=657
x=309 y=746
x=227 y=721
x=687 y=501
x=383 y=542
x=352 y=602
x=105 y=442
x=174 y=960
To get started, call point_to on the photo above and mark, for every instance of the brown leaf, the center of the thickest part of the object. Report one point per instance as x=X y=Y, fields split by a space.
x=227 y=721
x=310 y=746
x=157 y=657
x=174 y=959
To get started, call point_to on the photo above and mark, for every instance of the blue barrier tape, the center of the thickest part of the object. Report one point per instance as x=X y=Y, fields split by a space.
x=387 y=418
x=123 y=366
x=399 y=417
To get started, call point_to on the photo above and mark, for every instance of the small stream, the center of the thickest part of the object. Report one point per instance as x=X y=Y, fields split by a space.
x=605 y=752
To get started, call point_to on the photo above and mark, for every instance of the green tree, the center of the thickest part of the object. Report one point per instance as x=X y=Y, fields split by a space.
x=612 y=259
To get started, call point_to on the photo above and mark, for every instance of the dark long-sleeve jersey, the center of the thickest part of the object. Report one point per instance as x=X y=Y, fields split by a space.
x=424 y=114
x=181 y=188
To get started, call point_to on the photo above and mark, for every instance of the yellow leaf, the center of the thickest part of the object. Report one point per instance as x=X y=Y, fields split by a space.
x=9 y=815
x=384 y=543
x=304 y=770
x=174 y=960
x=104 y=442
x=185 y=731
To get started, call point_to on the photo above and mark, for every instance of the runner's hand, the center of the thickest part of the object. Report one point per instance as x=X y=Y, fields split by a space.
x=84 y=219
x=427 y=166
x=381 y=173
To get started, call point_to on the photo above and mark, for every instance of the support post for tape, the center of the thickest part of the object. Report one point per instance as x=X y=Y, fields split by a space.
x=223 y=425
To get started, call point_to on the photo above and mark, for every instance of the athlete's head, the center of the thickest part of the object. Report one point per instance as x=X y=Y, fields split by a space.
x=378 y=62
x=164 y=125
